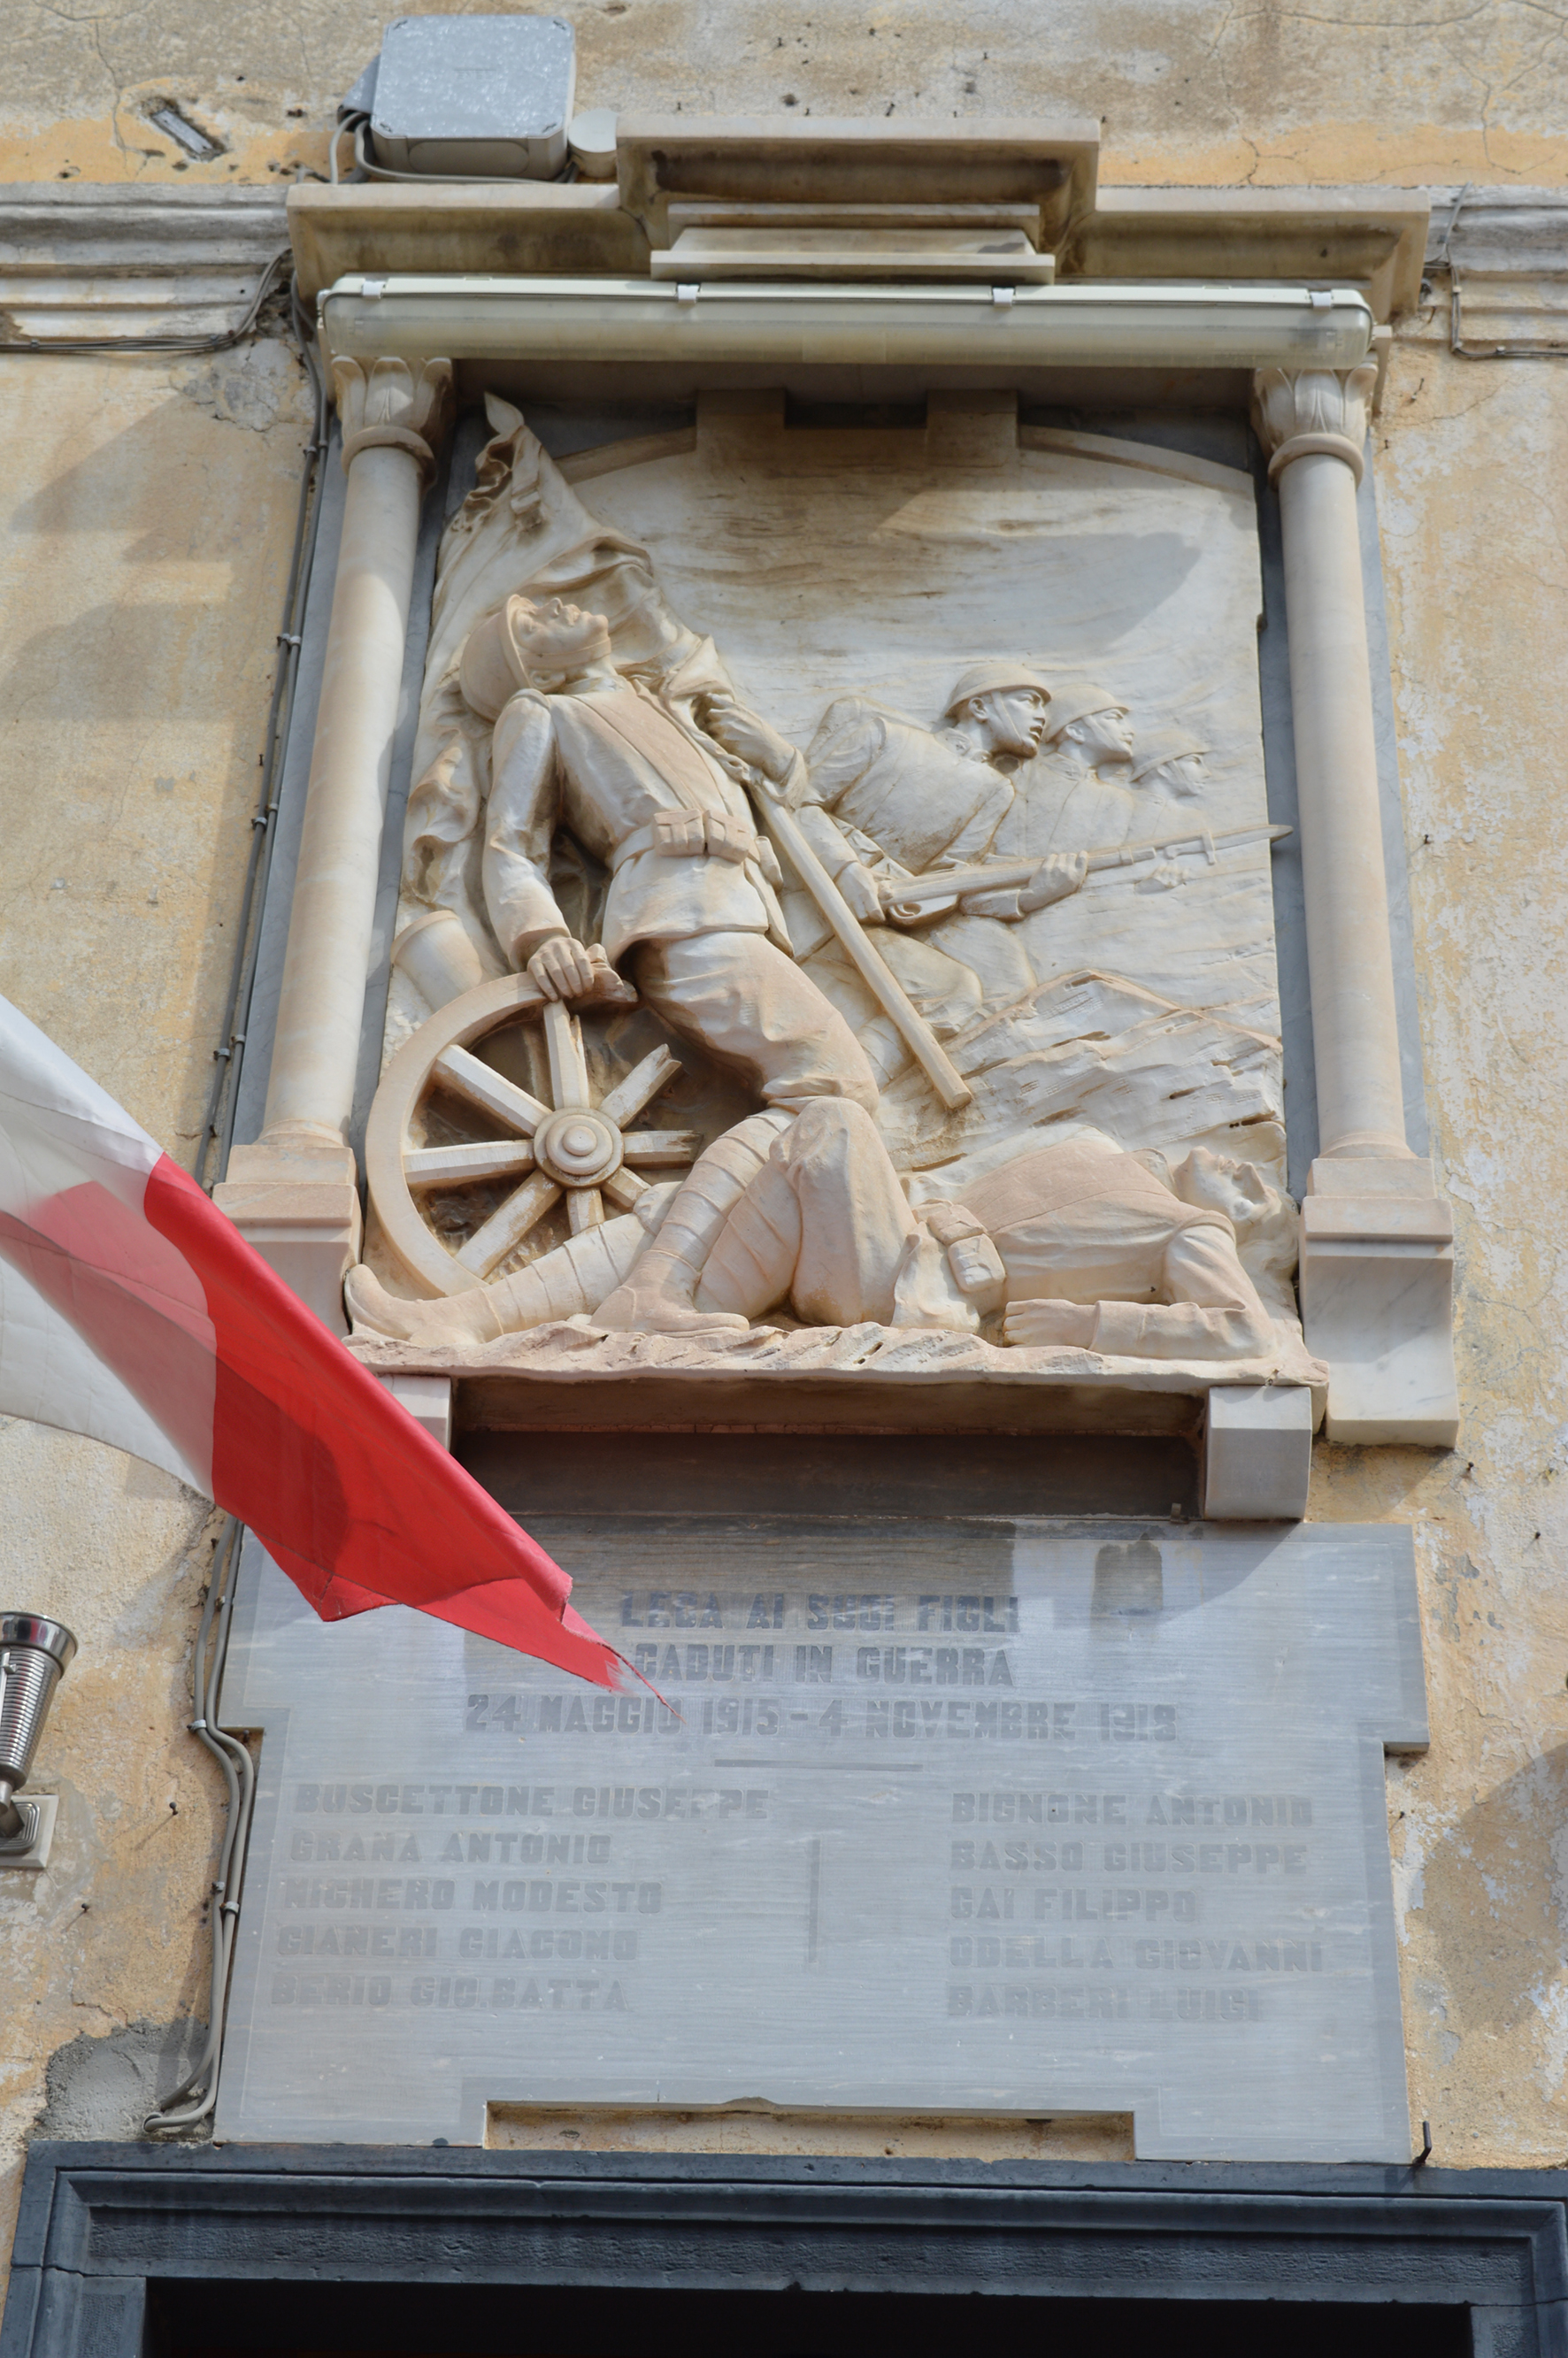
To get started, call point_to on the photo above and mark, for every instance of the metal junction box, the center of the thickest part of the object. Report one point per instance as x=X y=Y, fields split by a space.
x=483 y=97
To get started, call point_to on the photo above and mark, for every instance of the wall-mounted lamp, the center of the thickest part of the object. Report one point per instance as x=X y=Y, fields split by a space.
x=1159 y=324
x=35 y=1653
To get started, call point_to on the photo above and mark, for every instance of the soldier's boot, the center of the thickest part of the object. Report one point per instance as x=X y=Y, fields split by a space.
x=563 y=1283
x=659 y=1297
x=459 y=1319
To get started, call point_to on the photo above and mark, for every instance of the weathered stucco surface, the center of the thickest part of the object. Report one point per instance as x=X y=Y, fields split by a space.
x=148 y=506
x=1200 y=91
x=1475 y=522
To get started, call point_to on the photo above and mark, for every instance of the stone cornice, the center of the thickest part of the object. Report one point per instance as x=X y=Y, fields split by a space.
x=81 y=260
x=1501 y=257
x=1366 y=238
x=1370 y=239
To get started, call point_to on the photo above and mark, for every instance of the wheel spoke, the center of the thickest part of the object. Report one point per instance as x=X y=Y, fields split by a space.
x=425 y=1165
x=507 y=1226
x=517 y=1112
x=585 y=1209
x=563 y=1042
x=641 y=1084
x=658 y=1146
x=490 y=1091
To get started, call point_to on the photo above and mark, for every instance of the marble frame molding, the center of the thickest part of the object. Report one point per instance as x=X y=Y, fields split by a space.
x=1377 y=1246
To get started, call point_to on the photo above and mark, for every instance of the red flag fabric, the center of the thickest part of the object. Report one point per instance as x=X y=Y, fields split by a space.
x=131 y=1309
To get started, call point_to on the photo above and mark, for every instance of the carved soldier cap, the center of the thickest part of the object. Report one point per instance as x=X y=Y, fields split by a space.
x=1075 y=702
x=1166 y=745
x=992 y=679
x=491 y=669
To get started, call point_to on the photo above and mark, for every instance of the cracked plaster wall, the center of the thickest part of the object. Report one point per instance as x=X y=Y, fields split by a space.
x=1473 y=488
x=148 y=510
x=1405 y=91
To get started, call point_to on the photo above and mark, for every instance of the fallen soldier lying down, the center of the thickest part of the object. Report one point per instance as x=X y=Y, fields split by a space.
x=1078 y=1244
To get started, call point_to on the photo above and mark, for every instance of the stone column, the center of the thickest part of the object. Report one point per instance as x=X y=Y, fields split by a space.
x=1376 y=1240
x=294 y=1192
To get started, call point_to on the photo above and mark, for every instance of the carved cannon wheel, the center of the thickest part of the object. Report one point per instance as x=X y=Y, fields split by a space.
x=571 y=1146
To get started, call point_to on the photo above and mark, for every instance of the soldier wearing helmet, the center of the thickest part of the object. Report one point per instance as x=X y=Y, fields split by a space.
x=886 y=798
x=1074 y=794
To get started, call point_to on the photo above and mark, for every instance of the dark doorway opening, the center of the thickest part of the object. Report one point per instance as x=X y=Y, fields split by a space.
x=364 y=2321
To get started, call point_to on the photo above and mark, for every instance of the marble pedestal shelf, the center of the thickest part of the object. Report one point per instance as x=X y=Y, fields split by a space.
x=1377 y=1293
x=1255 y=1423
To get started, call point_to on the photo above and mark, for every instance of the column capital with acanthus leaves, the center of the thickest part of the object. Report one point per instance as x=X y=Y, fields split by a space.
x=1299 y=411
x=393 y=404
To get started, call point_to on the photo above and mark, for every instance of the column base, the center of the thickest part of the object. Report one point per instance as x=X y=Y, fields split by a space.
x=297 y=1202
x=1377 y=1293
x=1256 y=1453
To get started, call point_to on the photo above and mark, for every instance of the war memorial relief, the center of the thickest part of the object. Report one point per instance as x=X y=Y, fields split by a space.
x=887 y=807
x=835 y=995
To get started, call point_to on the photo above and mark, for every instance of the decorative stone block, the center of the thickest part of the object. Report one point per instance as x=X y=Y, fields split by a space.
x=1377 y=1294
x=301 y=1209
x=1258 y=1453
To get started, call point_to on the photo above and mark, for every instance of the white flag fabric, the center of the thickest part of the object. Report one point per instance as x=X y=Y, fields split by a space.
x=59 y=1130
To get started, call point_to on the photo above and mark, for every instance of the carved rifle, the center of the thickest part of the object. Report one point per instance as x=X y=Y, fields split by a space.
x=791 y=843
x=908 y=902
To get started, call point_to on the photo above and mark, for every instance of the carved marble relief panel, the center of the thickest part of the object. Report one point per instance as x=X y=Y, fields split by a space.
x=837 y=900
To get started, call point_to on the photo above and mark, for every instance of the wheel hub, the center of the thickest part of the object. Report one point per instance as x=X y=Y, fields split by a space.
x=578 y=1148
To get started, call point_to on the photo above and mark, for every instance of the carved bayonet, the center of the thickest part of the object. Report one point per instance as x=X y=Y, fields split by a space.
x=911 y=900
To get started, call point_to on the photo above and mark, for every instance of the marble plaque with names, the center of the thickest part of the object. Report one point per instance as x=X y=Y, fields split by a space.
x=969 y=1816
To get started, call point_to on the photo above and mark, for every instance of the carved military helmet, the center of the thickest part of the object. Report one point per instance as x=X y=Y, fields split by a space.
x=1165 y=745
x=492 y=668
x=991 y=679
x=1075 y=702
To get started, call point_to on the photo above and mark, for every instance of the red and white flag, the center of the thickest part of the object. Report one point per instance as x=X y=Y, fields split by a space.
x=131 y=1309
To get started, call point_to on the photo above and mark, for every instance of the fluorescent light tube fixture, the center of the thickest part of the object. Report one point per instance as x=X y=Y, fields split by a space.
x=1146 y=324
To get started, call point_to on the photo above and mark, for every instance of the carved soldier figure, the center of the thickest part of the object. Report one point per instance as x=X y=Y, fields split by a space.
x=1077 y=1244
x=690 y=912
x=881 y=798
x=1169 y=766
x=1061 y=800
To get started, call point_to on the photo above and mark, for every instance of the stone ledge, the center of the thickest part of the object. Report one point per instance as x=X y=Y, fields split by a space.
x=1371 y=239
x=81 y=261
x=863 y=1378
x=858 y=160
